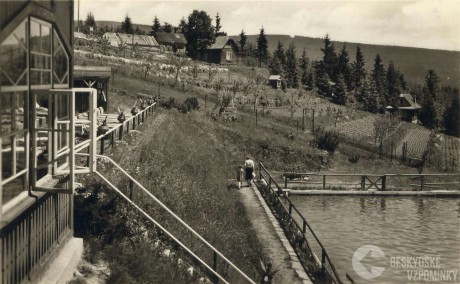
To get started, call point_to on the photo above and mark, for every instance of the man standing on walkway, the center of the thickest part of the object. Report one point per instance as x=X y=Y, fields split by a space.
x=249 y=170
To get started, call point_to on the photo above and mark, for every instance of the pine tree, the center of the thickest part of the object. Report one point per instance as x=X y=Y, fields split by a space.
x=127 y=26
x=344 y=67
x=451 y=117
x=371 y=98
x=182 y=25
x=340 y=92
x=358 y=70
x=243 y=40
x=156 y=27
x=218 y=26
x=428 y=113
x=89 y=22
x=393 y=83
x=321 y=79
x=330 y=59
x=262 y=47
x=303 y=65
x=290 y=67
x=279 y=53
x=379 y=79
x=275 y=67
x=167 y=27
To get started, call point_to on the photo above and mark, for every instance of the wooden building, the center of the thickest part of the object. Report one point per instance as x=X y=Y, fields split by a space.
x=223 y=51
x=275 y=81
x=143 y=41
x=37 y=142
x=97 y=77
x=408 y=108
x=171 y=41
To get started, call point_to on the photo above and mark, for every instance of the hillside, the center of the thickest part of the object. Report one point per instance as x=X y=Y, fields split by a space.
x=413 y=62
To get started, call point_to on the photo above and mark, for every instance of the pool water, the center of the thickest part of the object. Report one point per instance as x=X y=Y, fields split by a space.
x=401 y=227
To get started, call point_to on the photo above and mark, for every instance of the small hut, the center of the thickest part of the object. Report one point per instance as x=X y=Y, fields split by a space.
x=275 y=81
x=408 y=108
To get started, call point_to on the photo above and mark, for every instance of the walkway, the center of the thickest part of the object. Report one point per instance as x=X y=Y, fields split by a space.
x=272 y=238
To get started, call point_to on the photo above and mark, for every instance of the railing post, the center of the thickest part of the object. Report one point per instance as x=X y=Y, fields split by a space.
x=285 y=180
x=112 y=138
x=323 y=260
x=260 y=171
x=214 y=267
x=384 y=182
x=422 y=177
x=363 y=183
x=131 y=186
x=290 y=209
x=324 y=181
x=120 y=132
x=102 y=145
x=127 y=127
x=304 y=227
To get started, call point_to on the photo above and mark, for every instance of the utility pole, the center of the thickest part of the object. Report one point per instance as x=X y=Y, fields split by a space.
x=78 y=16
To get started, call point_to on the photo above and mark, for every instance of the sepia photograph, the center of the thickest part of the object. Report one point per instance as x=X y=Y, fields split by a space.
x=212 y=141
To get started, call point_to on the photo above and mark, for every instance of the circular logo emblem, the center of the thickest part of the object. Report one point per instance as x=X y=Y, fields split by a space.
x=363 y=252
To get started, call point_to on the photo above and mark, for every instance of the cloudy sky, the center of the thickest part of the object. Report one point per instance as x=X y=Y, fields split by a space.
x=429 y=24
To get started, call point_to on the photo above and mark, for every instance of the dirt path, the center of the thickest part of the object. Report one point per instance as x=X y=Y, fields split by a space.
x=268 y=237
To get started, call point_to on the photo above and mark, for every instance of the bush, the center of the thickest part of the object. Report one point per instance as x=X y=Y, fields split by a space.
x=191 y=103
x=327 y=140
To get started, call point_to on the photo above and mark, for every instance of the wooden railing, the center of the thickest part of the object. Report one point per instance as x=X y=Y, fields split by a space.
x=381 y=182
x=311 y=252
x=31 y=232
x=31 y=237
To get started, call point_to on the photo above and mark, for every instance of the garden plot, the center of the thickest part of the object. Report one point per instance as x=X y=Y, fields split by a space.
x=360 y=129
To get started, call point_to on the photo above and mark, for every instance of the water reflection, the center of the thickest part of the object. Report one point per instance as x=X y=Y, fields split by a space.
x=400 y=226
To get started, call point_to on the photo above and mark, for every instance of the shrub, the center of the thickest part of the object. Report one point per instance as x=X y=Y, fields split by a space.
x=191 y=103
x=327 y=140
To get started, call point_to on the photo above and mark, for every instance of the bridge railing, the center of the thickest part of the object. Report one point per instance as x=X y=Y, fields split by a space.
x=311 y=252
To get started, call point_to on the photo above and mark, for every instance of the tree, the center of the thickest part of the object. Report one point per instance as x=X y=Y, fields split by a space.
x=428 y=113
x=358 y=70
x=340 y=94
x=262 y=47
x=156 y=27
x=127 y=26
x=167 y=28
x=275 y=67
x=379 y=79
x=369 y=95
x=303 y=65
x=243 y=40
x=393 y=83
x=199 y=32
x=218 y=26
x=182 y=24
x=89 y=22
x=279 y=53
x=344 y=67
x=330 y=59
x=321 y=79
x=451 y=117
x=292 y=72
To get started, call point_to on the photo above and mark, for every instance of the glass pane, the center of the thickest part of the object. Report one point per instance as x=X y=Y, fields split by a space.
x=13 y=188
x=63 y=136
x=7 y=158
x=20 y=154
x=40 y=61
x=35 y=39
x=13 y=57
x=35 y=77
x=46 y=78
x=46 y=39
x=61 y=61
x=6 y=114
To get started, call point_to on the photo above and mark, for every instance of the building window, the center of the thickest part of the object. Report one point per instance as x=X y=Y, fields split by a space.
x=228 y=56
x=13 y=58
x=40 y=53
x=32 y=55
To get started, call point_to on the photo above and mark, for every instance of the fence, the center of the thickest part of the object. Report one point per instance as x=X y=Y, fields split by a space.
x=301 y=236
x=381 y=182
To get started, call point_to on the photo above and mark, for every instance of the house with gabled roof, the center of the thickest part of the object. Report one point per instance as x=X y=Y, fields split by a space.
x=222 y=51
x=408 y=107
x=171 y=41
